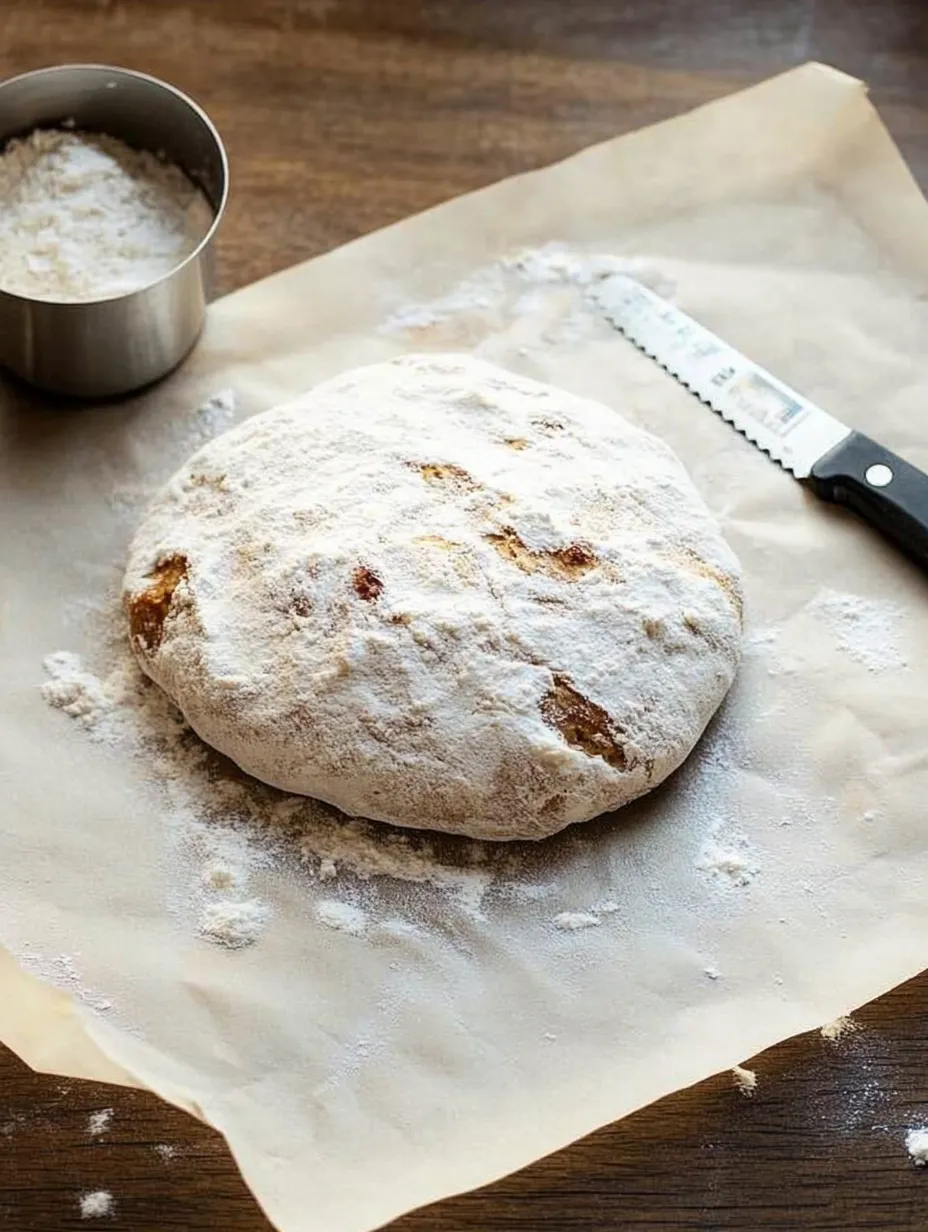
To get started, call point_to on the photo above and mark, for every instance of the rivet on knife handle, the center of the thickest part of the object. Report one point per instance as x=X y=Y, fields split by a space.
x=840 y=465
x=887 y=491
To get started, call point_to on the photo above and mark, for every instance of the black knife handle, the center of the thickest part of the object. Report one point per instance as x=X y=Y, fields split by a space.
x=880 y=487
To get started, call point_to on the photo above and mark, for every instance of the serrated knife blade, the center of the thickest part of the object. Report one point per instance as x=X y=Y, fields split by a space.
x=838 y=463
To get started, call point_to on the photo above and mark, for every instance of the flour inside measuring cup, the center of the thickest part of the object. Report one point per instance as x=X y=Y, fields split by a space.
x=83 y=216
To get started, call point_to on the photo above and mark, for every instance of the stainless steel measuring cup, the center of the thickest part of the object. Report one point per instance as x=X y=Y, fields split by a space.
x=103 y=347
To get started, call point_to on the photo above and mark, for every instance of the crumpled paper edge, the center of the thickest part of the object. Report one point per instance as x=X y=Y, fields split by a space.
x=63 y=1045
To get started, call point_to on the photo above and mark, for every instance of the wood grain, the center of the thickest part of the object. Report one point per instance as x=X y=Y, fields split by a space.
x=341 y=116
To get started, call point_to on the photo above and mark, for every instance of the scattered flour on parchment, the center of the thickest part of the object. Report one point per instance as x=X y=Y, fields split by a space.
x=607 y=907
x=398 y=929
x=221 y=875
x=559 y=264
x=726 y=857
x=482 y=290
x=540 y=293
x=745 y=1079
x=99 y=1122
x=216 y=415
x=96 y=1205
x=233 y=922
x=529 y=891
x=759 y=641
x=121 y=710
x=574 y=921
x=226 y=827
x=342 y=917
x=79 y=693
x=867 y=630
x=722 y=855
x=916 y=1143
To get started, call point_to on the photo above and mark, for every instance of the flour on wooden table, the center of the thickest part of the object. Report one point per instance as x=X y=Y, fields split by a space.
x=745 y=1079
x=838 y=1029
x=916 y=1143
x=861 y=1098
x=99 y=1122
x=86 y=217
x=96 y=1205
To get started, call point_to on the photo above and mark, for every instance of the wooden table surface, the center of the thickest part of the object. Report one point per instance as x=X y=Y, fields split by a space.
x=341 y=116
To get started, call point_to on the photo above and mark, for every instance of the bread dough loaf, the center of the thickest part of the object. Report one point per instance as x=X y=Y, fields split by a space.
x=436 y=594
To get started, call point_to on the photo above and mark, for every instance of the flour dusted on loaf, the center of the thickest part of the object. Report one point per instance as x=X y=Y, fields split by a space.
x=83 y=216
x=434 y=593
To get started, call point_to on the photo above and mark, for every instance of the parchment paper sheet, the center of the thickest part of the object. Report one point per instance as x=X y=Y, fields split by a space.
x=357 y=1077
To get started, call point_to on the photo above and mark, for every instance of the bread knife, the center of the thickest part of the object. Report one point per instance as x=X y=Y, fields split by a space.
x=836 y=462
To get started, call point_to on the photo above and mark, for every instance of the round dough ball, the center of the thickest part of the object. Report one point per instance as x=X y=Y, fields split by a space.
x=436 y=594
